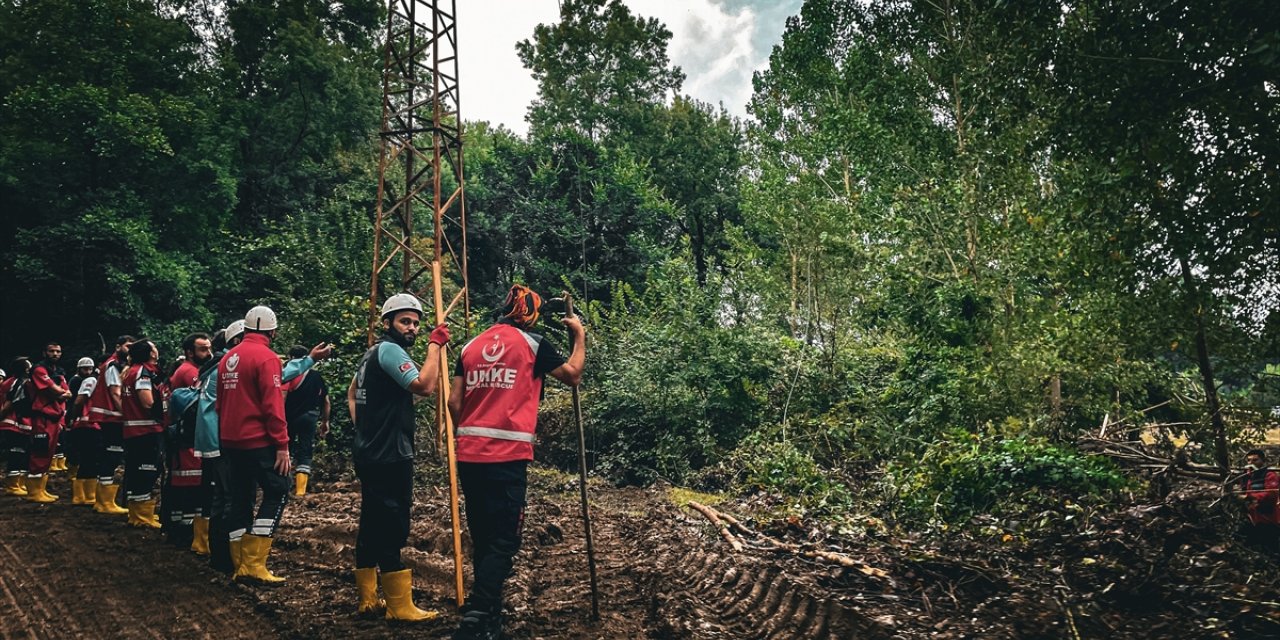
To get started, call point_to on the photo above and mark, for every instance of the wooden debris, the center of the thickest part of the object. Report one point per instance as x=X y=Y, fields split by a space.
x=715 y=519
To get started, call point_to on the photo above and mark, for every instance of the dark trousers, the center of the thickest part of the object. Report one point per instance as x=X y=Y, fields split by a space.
x=44 y=438
x=302 y=440
x=112 y=452
x=142 y=465
x=217 y=505
x=495 y=500
x=386 y=496
x=247 y=471
x=84 y=449
x=15 y=445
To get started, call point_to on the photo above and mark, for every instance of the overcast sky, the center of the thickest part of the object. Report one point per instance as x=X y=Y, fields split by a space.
x=718 y=44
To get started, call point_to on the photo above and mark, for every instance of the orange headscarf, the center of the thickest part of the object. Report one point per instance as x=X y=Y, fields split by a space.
x=522 y=306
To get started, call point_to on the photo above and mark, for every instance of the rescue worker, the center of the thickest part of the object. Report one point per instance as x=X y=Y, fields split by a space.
x=104 y=411
x=208 y=446
x=1260 y=489
x=140 y=393
x=67 y=445
x=15 y=428
x=84 y=438
x=255 y=441
x=496 y=389
x=182 y=504
x=380 y=399
x=49 y=394
x=306 y=408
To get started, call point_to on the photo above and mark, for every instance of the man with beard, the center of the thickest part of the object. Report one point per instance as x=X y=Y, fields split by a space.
x=380 y=400
x=181 y=496
x=208 y=446
x=104 y=411
x=49 y=394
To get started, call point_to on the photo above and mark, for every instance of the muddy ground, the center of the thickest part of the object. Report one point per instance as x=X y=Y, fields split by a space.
x=1153 y=568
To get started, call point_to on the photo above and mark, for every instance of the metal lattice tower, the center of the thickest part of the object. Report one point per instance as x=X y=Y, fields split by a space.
x=420 y=168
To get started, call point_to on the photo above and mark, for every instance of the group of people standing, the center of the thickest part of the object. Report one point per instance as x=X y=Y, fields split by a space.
x=232 y=422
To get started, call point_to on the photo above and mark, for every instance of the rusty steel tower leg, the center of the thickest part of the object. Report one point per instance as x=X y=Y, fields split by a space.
x=420 y=167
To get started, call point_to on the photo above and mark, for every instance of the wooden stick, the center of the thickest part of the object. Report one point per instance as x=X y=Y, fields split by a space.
x=720 y=525
x=456 y=298
x=445 y=420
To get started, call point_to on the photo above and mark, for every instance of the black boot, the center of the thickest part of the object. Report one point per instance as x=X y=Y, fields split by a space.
x=479 y=624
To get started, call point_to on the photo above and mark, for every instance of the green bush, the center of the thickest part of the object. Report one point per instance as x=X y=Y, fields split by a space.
x=782 y=468
x=965 y=473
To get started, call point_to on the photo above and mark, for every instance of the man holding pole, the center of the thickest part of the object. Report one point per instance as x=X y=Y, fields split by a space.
x=496 y=389
x=380 y=400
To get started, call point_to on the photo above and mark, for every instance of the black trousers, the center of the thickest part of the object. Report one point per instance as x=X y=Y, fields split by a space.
x=495 y=501
x=249 y=470
x=386 y=496
x=14 y=444
x=84 y=448
x=142 y=456
x=217 y=506
x=112 y=451
x=302 y=440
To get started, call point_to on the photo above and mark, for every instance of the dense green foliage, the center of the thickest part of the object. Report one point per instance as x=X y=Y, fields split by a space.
x=949 y=236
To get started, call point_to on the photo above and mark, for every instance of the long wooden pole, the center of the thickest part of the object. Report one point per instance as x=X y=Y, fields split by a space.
x=582 y=485
x=445 y=420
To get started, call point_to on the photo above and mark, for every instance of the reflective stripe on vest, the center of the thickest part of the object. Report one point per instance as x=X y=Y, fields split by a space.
x=497 y=434
x=140 y=423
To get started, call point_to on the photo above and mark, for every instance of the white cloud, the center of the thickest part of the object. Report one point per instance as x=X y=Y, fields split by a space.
x=717 y=43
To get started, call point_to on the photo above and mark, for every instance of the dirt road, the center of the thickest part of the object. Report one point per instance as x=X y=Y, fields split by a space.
x=67 y=572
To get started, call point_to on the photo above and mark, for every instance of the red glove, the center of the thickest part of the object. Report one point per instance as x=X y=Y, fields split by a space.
x=440 y=335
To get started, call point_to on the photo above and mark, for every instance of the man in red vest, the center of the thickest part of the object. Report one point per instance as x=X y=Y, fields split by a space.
x=1260 y=487
x=104 y=411
x=496 y=388
x=140 y=396
x=49 y=395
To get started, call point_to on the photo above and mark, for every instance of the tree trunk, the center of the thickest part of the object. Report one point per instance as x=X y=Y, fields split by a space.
x=1211 y=402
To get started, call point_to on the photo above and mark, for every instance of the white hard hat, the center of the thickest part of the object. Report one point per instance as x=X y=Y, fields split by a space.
x=260 y=318
x=233 y=331
x=401 y=302
x=84 y=362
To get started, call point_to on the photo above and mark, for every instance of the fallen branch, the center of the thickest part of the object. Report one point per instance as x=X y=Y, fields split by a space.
x=723 y=528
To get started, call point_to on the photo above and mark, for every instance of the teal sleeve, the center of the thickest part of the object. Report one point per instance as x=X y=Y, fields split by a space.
x=295 y=368
x=395 y=361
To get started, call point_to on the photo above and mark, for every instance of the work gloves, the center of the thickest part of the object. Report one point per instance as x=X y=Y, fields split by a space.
x=440 y=335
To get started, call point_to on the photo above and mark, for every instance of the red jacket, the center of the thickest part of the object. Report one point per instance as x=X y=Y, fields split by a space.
x=10 y=420
x=1261 y=488
x=46 y=397
x=250 y=405
x=101 y=404
x=187 y=375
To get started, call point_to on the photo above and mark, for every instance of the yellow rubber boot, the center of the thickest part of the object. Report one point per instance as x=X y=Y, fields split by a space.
x=90 y=490
x=200 y=536
x=77 y=491
x=254 y=551
x=13 y=486
x=36 y=490
x=237 y=552
x=367 y=585
x=57 y=464
x=398 y=585
x=142 y=514
x=300 y=484
x=106 y=502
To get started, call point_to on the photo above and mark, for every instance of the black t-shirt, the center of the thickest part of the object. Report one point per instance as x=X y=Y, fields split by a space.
x=308 y=396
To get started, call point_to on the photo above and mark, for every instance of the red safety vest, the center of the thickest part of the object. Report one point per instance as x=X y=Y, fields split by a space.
x=137 y=419
x=100 y=407
x=9 y=420
x=500 y=396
